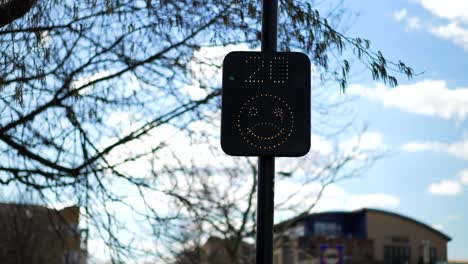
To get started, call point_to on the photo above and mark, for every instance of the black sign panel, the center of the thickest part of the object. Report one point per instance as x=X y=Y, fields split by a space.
x=266 y=104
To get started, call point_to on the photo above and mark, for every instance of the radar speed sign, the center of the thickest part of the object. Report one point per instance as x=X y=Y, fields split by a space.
x=266 y=104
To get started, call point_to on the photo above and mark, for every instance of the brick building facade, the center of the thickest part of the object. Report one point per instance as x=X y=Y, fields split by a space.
x=365 y=236
x=38 y=235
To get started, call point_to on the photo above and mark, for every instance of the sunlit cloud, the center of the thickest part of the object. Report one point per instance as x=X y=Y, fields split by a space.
x=333 y=198
x=205 y=69
x=439 y=227
x=448 y=9
x=454 y=217
x=450 y=187
x=373 y=200
x=412 y=22
x=400 y=14
x=85 y=80
x=367 y=141
x=455 y=14
x=430 y=98
x=457 y=149
x=464 y=176
x=453 y=32
x=446 y=188
x=320 y=145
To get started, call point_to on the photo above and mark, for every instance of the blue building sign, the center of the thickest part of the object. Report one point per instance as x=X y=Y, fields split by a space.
x=331 y=254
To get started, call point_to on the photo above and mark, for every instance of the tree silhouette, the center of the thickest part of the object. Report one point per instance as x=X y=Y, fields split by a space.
x=108 y=102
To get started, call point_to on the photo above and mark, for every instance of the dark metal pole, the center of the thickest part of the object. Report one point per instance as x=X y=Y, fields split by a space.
x=265 y=204
x=269 y=25
x=266 y=165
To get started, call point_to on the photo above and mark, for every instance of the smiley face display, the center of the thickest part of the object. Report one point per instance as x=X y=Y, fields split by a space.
x=265 y=121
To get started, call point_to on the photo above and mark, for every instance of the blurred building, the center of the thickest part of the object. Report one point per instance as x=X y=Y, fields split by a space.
x=365 y=236
x=227 y=251
x=38 y=235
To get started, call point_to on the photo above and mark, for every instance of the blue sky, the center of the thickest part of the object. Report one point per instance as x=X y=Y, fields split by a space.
x=424 y=120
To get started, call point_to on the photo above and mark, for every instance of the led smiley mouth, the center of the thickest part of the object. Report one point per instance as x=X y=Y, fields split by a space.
x=265 y=121
x=272 y=131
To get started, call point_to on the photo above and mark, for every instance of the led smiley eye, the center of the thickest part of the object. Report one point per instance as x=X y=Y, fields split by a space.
x=278 y=112
x=253 y=111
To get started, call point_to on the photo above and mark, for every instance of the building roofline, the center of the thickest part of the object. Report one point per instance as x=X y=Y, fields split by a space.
x=292 y=221
x=25 y=205
x=299 y=218
x=408 y=219
x=38 y=207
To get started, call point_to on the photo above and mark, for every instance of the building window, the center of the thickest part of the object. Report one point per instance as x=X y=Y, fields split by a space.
x=71 y=229
x=433 y=254
x=288 y=254
x=298 y=231
x=276 y=259
x=72 y=257
x=302 y=255
x=307 y=250
x=397 y=254
x=327 y=229
x=427 y=253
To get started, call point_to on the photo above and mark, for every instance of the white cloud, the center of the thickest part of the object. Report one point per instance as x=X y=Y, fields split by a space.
x=205 y=68
x=464 y=177
x=44 y=38
x=373 y=200
x=333 y=198
x=453 y=32
x=439 y=227
x=454 y=217
x=336 y=198
x=450 y=187
x=195 y=92
x=412 y=22
x=448 y=9
x=98 y=250
x=400 y=15
x=455 y=14
x=88 y=79
x=431 y=98
x=456 y=149
x=446 y=188
x=320 y=145
x=362 y=145
x=366 y=141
